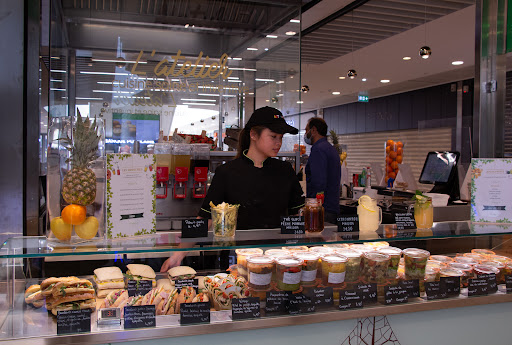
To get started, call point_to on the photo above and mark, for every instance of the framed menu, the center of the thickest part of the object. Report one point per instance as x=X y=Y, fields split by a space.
x=131 y=191
x=491 y=190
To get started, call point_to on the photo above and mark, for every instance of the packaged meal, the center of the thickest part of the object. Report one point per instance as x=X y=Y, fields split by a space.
x=309 y=267
x=375 y=267
x=394 y=259
x=415 y=262
x=259 y=270
x=353 y=269
x=241 y=259
x=288 y=273
x=333 y=270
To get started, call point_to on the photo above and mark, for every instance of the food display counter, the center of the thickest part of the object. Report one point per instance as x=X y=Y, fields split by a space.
x=286 y=299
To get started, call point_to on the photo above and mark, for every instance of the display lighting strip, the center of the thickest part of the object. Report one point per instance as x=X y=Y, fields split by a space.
x=57 y=71
x=119 y=61
x=198 y=99
x=90 y=98
x=242 y=69
x=53 y=89
x=268 y=80
x=108 y=91
x=191 y=103
x=103 y=73
x=54 y=80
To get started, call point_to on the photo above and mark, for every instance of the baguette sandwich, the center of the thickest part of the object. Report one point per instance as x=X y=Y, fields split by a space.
x=75 y=301
x=108 y=278
x=141 y=272
x=115 y=298
x=130 y=302
x=165 y=283
x=34 y=296
x=154 y=296
x=70 y=287
x=181 y=272
x=168 y=305
x=186 y=295
x=48 y=284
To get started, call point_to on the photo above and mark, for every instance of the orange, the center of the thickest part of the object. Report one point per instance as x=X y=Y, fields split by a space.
x=74 y=214
x=399 y=151
x=399 y=144
x=392 y=175
x=394 y=165
x=388 y=148
x=389 y=168
x=388 y=160
x=390 y=142
x=392 y=155
x=399 y=159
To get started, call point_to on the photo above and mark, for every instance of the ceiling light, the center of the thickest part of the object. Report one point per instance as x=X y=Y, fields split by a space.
x=457 y=63
x=300 y=102
x=103 y=73
x=234 y=81
x=271 y=36
x=268 y=80
x=385 y=81
x=209 y=94
x=198 y=99
x=237 y=58
x=191 y=103
x=55 y=57
x=341 y=77
x=336 y=93
x=251 y=48
x=117 y=61
x=290 y=33
x=294 y=21
x=57 y=71
x=242 y=69
x=406 y=58
x=187 y=25
x=266 y=49
x=364 y=79
x=56 y=80
x=267 y=100
x=280 y=82
x=90 y=98
x=251 y=93
x=108 y=91
x=52 y=89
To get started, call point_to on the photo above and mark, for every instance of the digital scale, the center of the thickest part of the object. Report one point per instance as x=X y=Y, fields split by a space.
x=109 y=316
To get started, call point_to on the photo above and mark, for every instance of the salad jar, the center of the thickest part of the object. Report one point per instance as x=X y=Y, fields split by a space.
x=484 y=252
x=259 y=269
x=466 y=269
x=441 y=258
x=309 y=268
x=224 y=218
x=375 y=267
x=415 y=263
x=288 y=273
x=241 y=259
x=500 y=276
x=394 y=255
x=333 y=270
x=466 y=260
x=353 y=269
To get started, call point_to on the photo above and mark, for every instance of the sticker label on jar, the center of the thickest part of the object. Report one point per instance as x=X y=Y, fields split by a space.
x=308 y=276
x=336 y=278
x=260 y=279
x=292 y=278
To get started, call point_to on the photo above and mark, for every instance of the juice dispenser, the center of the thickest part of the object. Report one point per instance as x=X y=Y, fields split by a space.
x=180 y=167
x=163 y=164
x=199 y=167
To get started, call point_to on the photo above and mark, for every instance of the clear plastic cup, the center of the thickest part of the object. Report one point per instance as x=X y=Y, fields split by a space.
x=288 y=273
x=321 y=250
x=476 y=257
x=224 y=220
x=361 y=248
x=395 y=254
x=466 y=260
x=333 y=270
x=466 y=269
x=483 y=252
x=435 y=264
x=337 y=245
x=500 y=277
x=485 y=269
x=259 y=268
x=500 y=258
x=441 y=258
x=377 y=245
x=415 y=262
x=241 y=259
x=353 y=270
x=375 y=267
x=294 y=249
x=276 y=253
x=310 y=267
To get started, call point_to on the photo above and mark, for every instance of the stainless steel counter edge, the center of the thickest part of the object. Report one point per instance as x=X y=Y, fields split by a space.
x=222 y=327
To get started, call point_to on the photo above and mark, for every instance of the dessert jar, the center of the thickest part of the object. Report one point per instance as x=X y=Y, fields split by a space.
x=441 y=258
x=375 y=267
x=394 y=260
x=353 y=266
x=241 y=259
x=500 y=276
x=310 y=265
x=415 y=262
x=288 y=273
x=259 y=270
x=466 y=269
x=333 y=270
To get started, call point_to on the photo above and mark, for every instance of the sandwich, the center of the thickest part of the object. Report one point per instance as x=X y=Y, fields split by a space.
x=48 y=284
x=165 y=283
x=168 y=305
x=181 y=272
x=153 y=297
x=104 y=292
x=71 y=287
x=130 y=302
x=201 y=297
x=186 y=295
x=34 y=297
x=115 y=298
x=141 y=272
x=108 y=278
x=76 y=301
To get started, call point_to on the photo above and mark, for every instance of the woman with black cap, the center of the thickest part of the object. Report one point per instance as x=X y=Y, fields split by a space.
x=265 y=188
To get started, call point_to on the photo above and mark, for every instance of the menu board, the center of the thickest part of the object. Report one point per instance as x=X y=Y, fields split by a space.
x=491 y=190
x=131 y=195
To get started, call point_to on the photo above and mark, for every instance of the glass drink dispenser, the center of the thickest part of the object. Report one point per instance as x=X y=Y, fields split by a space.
x=180 y=166
x=199 y=167
x=163 y=165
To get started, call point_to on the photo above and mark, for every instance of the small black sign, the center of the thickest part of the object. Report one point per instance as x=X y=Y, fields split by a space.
x=141 y=316
x=477 y=287
x=74 y=321
x=435 y=290
x=321 y=297
x=277 y=302
x=300 y=304
x=193 y=228
x=508 y=283
x=452 y=285
x=348 y=223
x=245 y=308
x=368 y=292
x=492 y=285
x=292 y=225
x=178 y=284
x=350 y=299
x=194 y=313
x=395 y=294
x=405 y=221
x=139 y=287
x=411 y=286
x=346 y=236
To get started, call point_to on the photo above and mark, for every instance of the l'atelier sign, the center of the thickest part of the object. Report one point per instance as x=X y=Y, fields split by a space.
x=167 y=69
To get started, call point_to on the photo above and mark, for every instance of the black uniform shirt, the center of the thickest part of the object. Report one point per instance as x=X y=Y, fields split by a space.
x=264 y=194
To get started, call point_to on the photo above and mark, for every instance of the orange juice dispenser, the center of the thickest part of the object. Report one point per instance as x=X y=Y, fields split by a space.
x=163 y=165
x=199 y=168
x=180 y=167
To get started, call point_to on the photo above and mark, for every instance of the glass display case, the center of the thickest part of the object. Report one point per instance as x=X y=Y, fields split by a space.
x=28 y=261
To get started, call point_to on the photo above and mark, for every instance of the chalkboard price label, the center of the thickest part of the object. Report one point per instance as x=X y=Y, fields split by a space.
x=292 y=225
x=300 y=304
x=478 y=287
x=350 y=299
x=348 y=223
x=139 y=316
x=508 y=283
x=452 y=285
x=368 y=292
x=186 y=282
x=492 y=285
x=245 y=308
x=395 y=294
x=321 y=297
x=139 y=287
x=194 y=228
x=276 y=302
x=74 y=321
x=405 y=221
x=411 y=286
x=435 y=290
x=191 y=313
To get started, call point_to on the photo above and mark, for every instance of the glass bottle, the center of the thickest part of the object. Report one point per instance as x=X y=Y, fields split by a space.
x=313 y=213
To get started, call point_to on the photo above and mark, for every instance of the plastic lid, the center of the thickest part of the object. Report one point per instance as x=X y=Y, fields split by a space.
x=460 y=266
x=289 y=261
x=497 y=264
x=249 y=251
x=337 y=245
x=451 y=272
x=292 y=249
x=416 y=253
x=376 y=256
x=482 y=251
x=321 y=250
x=349 y=253
x=486 y=269
x=466 y=260
x=307 y=256
x=334 y=258
x=378 y=244
x=500 y=258
x=441 y=258
x=361 y=247
x=276 y=252
x=390 y=250
x=260 y=259
x=434 y=264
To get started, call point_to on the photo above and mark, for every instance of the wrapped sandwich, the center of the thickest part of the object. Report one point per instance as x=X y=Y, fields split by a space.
x=168 y=305
x=181 y=272
x=115 y=298
x=141 y=272
x=108 y=279
x=75 y=301
x=34 y=297
x=69 y=287
x=201 y=297
x=186 y=295
x=130 y=302
x=48 y=284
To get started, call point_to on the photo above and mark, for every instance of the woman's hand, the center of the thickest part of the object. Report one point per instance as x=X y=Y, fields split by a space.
x=173 y=261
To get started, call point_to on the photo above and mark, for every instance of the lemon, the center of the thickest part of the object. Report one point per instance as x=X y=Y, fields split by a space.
x=60 y=229
x=88 y=229
x=366 y=202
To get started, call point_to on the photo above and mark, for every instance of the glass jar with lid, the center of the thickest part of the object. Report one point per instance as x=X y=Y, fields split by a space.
x=313 y=213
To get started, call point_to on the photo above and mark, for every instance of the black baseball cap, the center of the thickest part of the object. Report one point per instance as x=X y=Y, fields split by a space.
x=272 y=119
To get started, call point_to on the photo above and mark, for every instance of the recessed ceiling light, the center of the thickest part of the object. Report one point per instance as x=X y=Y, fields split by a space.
x=267 y=100
x=250 y=48
x=336 y=93
x=300 y=102
x=290 y=33
x=294 y=21
x=271 y=36
x=385 y=81
x=406 y=58
x=251 y=93
x=457 y=63
x=341 y=77
x=237 y=58
x=364 y=79
x=266 y=49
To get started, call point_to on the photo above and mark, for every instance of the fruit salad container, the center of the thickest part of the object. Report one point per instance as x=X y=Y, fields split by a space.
x=76 y=180
x=288 y=273
x=333 y=270
x=375 y=267
x=415 y=263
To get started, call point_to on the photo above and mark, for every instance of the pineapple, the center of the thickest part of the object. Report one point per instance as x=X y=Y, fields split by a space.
x=79 y=184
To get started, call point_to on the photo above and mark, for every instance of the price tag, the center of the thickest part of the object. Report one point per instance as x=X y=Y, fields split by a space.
x=405 y=221
x=276 y=302
x=193 y=228
x=492 y=285
x=348 y=223
x=452 y=285
x=194 y=313
x=300 y=304
x=346 y=236
x=292 y=225
x=245 y=308
x=368 y=292
x=508 y=283
x=411 y=286
x=477 y=287
x=178 y=284
x=350 y=299
x=321 y=297
x=74 y=321
x=435 y=290
x=139 y=316
x=395 y=294
x=139 y=287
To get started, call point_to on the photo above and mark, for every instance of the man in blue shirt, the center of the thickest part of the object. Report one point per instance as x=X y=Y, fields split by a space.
x=323 y=170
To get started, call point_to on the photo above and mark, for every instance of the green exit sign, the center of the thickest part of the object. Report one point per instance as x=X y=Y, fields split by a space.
x=363 y=98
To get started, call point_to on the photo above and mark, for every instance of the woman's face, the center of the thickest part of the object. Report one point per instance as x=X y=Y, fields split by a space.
x=268 y=142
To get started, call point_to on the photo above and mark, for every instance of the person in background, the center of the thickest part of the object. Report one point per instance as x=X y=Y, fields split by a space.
x=323 y=170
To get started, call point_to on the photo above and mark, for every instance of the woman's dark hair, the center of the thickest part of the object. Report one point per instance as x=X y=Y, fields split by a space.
x=244 y=140
x=319 y=124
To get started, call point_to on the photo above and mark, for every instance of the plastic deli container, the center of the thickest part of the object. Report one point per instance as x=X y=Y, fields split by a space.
x=394 y=254
x=321 y=250
x=375 y=267
x=466 y=269
x=503 y=259
x=309 y=268
x=241 y=259
x=276 y=253
x=441 y=258
x=485 y=269
x=361 y=248
x=474 y=256
x=295 y=249
x=353 y=264
x=288 y=273
x=259 y=268
x=431 y=274
x=466 y=260
x=484 y=252
x=415 y=263
x=450 y=272
x=435 y=264
x=377 y=245
x=500 y=277
x=337 y=245
x=333 y=270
